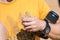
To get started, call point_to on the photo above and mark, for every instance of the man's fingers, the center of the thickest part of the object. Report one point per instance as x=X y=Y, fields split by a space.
x=28 y=23
x=33 y=30
x=30 y=27
x=28 y=19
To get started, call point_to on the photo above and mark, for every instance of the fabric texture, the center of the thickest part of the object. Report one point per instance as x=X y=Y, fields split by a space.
x=12 y=12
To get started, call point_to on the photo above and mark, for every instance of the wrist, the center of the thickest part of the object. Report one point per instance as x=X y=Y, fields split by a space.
x=47 y=30
x=44 y=33
x=43 y=25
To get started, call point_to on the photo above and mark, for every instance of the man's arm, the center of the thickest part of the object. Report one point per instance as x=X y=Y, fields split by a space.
x=3 y=34
x=37 y=24
x=55 y=34
x=55 y=30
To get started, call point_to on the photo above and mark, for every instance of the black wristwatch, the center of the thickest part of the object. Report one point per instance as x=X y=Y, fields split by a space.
x=52 y=17
x=44 y=33
x=47 y=29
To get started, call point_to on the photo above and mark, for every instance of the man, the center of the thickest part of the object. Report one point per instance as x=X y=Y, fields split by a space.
x=12 y=12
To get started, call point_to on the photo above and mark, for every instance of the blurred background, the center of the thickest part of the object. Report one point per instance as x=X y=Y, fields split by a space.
x=54 y=5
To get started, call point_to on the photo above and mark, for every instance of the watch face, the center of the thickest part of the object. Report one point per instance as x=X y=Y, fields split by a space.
x=47 y=31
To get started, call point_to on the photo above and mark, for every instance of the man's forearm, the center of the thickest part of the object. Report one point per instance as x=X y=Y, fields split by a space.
x=55 y=31
x=3 y=33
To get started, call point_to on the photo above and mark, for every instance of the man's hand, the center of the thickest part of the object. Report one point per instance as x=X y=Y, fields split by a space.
x=33 y=23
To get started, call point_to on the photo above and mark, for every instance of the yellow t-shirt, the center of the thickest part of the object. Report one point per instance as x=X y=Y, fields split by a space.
x=11 y=13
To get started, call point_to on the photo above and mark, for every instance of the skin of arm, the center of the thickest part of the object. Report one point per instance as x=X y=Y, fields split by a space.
x=55 y=31
x=3 y=33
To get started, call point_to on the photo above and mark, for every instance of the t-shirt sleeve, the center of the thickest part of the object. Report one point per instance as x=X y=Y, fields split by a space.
x=43 y=9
